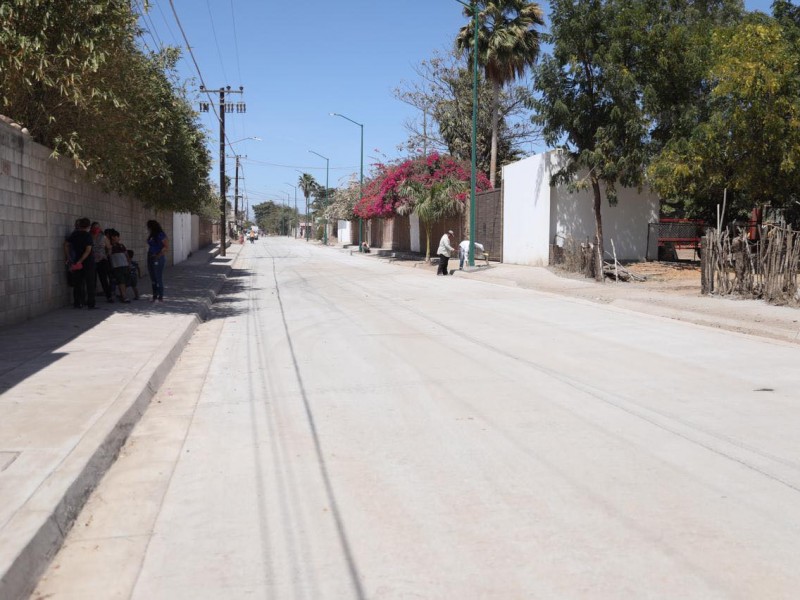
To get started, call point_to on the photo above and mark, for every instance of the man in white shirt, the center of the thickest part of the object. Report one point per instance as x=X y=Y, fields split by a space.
x=445 y=251
x=463 y=252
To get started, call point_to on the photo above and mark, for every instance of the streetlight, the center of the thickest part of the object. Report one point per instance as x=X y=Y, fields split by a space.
x=287 y=206
x=473 y=5
x=361 y=179
x=252 y=137
x=296 y=214
x=325 y=203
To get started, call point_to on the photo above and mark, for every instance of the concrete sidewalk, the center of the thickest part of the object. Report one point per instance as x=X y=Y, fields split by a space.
x=72 y=386
x=751 y=317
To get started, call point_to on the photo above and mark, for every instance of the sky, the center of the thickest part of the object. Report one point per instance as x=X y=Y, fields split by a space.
x=298 y=62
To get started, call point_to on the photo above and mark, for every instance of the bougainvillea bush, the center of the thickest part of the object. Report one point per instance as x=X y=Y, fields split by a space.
x=382 y=192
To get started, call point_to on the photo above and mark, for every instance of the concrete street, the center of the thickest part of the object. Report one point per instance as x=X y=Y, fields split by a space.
x=342 y=427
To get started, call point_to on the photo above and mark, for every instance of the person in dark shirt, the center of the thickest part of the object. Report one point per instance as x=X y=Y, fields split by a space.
x=157 y=247
x=80 y=261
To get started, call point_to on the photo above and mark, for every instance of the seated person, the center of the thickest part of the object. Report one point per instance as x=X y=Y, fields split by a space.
x=365 y=247
x=463 y=252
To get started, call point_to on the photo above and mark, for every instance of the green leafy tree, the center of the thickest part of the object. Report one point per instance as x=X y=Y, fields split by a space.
x=508 y=44
x=589 y=102
x=273 y=217
x=671 y=42
x=432 y=203
x=73 y=74
x=750 y=141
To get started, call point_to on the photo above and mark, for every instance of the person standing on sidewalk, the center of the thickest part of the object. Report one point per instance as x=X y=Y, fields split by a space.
x=80 y=260
x=445 y=251
x=157 y=246
x=102 y=249
x=120 y=265
x=134 y=275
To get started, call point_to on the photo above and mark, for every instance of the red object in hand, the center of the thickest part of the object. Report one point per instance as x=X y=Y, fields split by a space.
x=76 y=267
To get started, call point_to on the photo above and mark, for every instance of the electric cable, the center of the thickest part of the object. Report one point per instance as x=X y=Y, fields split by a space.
x=236 y=42
x=216 y=41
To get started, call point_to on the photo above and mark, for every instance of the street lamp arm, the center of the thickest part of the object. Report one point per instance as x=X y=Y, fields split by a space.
x=253 y=137
x=347 y=118
x=318 y=154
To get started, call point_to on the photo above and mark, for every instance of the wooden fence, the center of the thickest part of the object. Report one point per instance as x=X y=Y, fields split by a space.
x=766 y=268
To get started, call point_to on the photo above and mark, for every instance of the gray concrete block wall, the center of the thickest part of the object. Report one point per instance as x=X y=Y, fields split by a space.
x=40 y=199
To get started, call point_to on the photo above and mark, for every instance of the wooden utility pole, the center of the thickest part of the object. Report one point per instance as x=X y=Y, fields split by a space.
x=224 y=107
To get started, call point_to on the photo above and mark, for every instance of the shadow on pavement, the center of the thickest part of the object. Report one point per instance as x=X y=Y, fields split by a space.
x=190 y=288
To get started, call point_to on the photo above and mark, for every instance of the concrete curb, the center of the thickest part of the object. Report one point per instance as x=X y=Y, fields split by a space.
x=58 y=502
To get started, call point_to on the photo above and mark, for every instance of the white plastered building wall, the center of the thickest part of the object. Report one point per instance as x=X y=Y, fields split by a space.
x=537 y=214
x=181 y=236
x=343 y=230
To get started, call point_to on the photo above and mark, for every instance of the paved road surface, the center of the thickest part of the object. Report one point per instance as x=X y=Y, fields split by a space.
x=346 y=428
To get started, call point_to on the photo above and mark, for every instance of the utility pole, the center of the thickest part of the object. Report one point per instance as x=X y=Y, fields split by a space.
x=239 y=107
x=236 y=195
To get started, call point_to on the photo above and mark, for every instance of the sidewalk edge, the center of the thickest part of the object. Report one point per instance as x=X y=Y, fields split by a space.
x=89 y=461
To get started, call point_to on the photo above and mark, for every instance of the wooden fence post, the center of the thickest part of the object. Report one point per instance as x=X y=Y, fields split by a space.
x=706 y=277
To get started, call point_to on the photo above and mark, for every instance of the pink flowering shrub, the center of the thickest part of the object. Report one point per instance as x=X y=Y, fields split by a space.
x=381 y=192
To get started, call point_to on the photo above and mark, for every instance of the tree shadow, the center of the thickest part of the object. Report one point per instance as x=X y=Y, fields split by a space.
x=207 y=290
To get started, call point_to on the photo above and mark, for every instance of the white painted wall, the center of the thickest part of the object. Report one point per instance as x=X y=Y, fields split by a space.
x=625 y=223
x=181 y=240
x=535 y=215
x=343 y=229
x=526 y=211
x=416 y=245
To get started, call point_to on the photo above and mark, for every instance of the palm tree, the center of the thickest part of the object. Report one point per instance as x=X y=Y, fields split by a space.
x=432 y=204
x=308 y=185
x=508 y=43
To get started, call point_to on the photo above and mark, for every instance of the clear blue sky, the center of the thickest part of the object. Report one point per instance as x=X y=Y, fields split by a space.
x=300 y=61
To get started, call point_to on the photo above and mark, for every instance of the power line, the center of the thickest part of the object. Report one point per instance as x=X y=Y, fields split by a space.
x=316 y=168
x=166 y=22
x=149 y=25
x=236 y=42
x=216 y=41
x=203 y=85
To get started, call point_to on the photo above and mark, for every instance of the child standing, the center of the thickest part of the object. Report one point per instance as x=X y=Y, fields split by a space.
x=133 y=275
x=120 y=265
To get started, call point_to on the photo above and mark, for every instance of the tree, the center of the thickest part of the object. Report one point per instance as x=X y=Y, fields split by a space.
x=443 y=95
x=508 y=44
x=589 y=103
x=675 y=40
x=750 y=141
x=76 y=78
x=273 y=217
x=432 y=203
x=343 y=200
x=307 y=185
x=399 y=188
